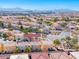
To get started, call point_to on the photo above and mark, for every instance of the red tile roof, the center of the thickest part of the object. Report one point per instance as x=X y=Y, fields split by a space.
x=39 y=56
x=46 y=55
x=3 y=57
x=31 y=35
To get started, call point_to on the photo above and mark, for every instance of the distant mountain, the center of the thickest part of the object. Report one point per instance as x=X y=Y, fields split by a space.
x=64 y=10
x=12 y=9
x=20 y=11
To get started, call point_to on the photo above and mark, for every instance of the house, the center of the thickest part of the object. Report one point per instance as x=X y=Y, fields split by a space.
x=22 y=46
x=57 y=26
x=75 y=55
x=32 y=36
x=19 y=56
x=41 y=55
x=58 y=35
x=1 y=47
x=45 y=45
x=19 y=35
x=51 y=55
x=36 y=46
x=60 y=55
x=5 y=56
x=71 y=25
x=9 y=47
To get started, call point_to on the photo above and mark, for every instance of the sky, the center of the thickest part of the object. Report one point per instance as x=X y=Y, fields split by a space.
x=40 y=4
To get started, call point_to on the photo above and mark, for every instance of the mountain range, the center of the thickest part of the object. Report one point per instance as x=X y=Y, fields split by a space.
x=20 y=11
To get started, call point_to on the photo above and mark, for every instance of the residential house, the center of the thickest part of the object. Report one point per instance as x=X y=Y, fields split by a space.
x=60 y=55
x=1 y=47
x=19 y=56
x=32 y=36
x=75 y=55
x=9 y=47
x=39 y=55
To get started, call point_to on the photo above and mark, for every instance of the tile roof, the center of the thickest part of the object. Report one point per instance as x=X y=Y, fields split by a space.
x=39 y=56
x=3 y=58
x=31 y=35
x=59 y=55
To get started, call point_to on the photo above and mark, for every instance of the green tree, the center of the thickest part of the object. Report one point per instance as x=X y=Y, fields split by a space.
x=17 y=50
x=76 y=47
x=48 y=23
x=56 y=19
x=67 y=41
x=5 y=36
x=25 y=30
x=1 y=24
x=74 y=41
x=70 y=42
x=21 y=28
x=0 y=34
x=64 y=24
x=29 y=19
x=10 y=29
x=77 y=20
x=40 y=21
x=18 y=39
x=68 y=38
x=66 y=19
x=56 y=42
x=28 y=49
